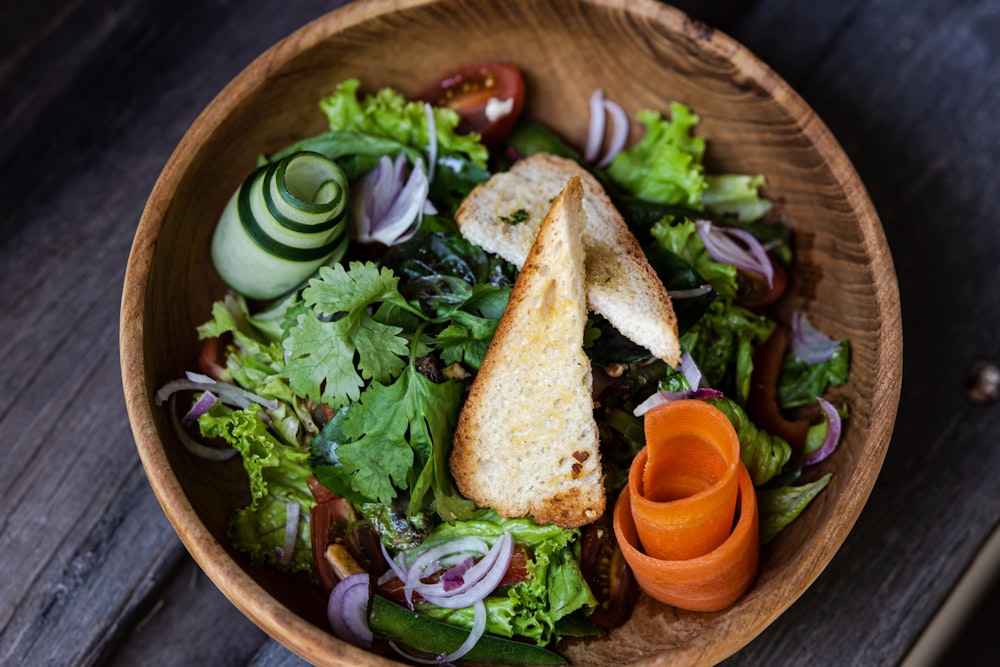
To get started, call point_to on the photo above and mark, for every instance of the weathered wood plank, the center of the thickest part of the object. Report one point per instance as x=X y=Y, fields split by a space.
x=189 y=622
x=87 y=543
x=71 y=488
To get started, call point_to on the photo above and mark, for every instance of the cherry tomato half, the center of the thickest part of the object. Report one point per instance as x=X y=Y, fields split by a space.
x=487 y=96
x=607 y=573
x=755 y=292
x=211 y=359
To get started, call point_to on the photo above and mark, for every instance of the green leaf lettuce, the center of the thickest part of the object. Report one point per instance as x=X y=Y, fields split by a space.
x=666 y=166
x=532 y=608
x=278 y=475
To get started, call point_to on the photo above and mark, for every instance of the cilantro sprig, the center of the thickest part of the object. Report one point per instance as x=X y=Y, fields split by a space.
x=342 y=344
x=355 y=349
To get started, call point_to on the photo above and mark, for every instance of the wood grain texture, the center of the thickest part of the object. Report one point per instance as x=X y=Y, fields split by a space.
x=907 y=87
x=635 y=51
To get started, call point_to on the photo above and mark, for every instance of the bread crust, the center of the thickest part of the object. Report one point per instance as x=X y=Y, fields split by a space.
x=620 y=283
x=526 y=443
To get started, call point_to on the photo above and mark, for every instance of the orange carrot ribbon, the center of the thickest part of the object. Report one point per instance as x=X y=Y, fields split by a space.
x=675 y=521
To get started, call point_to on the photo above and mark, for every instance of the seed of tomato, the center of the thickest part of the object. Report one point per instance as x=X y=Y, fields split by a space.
x=488 y=97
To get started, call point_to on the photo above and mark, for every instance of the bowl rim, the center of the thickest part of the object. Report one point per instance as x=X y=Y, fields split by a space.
x=318 y=645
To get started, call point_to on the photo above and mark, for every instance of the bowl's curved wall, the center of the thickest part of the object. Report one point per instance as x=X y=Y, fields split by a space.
x=642 y=54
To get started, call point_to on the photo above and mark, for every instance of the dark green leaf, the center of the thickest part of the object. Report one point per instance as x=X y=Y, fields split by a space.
x=778 y=507
x=763 y=454
x=800 y=382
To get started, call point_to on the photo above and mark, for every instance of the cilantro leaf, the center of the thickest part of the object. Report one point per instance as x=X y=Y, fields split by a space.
x=339 y=345
x=436 y=412
x=395 y=437
x=377 y=457
x=466 y=339
x=338 y=290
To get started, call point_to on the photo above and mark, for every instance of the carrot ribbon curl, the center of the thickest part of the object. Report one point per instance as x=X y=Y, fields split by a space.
x=687 y=523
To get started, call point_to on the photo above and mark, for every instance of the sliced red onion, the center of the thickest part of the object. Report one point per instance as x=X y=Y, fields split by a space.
x=385 y=209
x=692 y=374
x=192 y=445
x=470 y=581
x=347 y=610
x=394 y=567
x=229 y=394
x=663 y=397
x=200 y=407
x=466 y=584
x=286 y=551
x=808 y=343
x=600 y=108
x=441 y=660
x=376 y=192
x=478 y=628
x=433 y=560
x=738 y=247
x=429 y=561
x=481 y=579
x=692 y=293
x=619 y=134
x=595 y=133
x=455 y=577
x=432 y=142
x=833 y=428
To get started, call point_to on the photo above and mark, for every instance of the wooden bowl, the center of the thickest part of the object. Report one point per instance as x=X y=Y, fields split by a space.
x=642 y=54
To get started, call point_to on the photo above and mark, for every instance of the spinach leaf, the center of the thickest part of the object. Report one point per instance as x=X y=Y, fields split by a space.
x=801 y=382
x=779 y=506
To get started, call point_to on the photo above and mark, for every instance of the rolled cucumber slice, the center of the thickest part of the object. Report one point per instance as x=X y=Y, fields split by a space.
x=286 y=220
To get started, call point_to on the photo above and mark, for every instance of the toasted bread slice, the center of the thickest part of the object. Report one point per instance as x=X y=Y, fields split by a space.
x=504 y=214
x=526 y=442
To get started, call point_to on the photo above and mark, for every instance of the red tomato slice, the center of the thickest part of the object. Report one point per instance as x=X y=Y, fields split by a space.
x=608 y=574
x=211 y=360
x=487 y=96
x=755 y=292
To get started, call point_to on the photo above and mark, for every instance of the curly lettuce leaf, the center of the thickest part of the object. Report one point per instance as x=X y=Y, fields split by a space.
x=254 y=362
x=255 y=344
x=666 y=166
x=763 y=454
x=682 y=239
x=779 y=506
x=736 y=195
x=556 y=588
x=278 y=475
x=389 y=115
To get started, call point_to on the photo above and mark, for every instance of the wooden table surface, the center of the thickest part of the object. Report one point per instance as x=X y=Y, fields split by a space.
x=95 y=94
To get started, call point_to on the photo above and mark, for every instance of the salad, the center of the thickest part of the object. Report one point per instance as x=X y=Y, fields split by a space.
x=337 y=365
